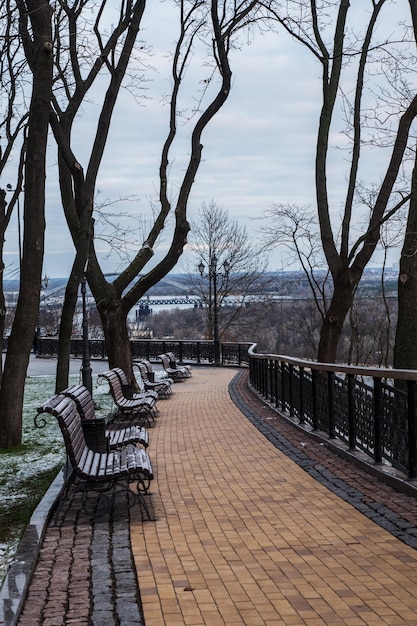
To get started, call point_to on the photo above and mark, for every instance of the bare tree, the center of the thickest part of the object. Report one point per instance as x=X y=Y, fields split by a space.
x=405 y=354
x=76 y=74
x=36 y=33
x=212 y=27
x=346 y=252
x=240 y=266
x=296 y=228
x=13 y=120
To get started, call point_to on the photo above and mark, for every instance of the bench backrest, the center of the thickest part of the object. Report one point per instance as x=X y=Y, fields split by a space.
x=148 y=365
x=83 y=399
x=114 y=384
x=165 y=361
x=143 y=370
x=120 y=373
x=150 y=373
x=69 y=421
x=172 y=360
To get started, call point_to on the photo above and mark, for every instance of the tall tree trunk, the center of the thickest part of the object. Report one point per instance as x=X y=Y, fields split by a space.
x=2 y=297
x=405 y=347
x=114 y=320
x=71 y=297
x=27 y=309
x=332 y=326
x=65 y=331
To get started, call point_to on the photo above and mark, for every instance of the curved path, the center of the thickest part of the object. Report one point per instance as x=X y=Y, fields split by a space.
x=243 y=535
x=256 y=524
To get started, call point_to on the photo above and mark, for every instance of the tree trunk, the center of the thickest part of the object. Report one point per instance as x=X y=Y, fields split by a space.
x=65 y=331
x=70 y=300
x=405 y=351
x=27 y=309
x=332 y=326
x=2 y=298
x=114 y=321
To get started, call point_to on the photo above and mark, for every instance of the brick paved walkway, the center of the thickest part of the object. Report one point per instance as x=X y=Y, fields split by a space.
x=245 y=536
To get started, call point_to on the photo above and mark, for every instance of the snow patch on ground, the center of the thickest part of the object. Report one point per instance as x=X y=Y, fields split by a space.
x=42 y=450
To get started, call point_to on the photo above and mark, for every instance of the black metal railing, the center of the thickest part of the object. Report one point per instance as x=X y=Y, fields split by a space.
x=203 y=352
x=370 y=409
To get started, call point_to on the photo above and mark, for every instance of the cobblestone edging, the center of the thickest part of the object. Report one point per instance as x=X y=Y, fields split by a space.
x=85 y=574
x=394 y=511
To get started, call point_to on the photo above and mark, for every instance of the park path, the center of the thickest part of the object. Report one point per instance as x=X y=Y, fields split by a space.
x=243 y=535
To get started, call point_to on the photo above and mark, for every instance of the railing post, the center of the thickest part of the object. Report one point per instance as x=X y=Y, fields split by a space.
x=351 y=411
x=412 y=429
x=282 y=368
x=264 y=377
x=180 y=351
x=267 y=379
x=258 y=375
x=276 y=382
x=291 y=390
x=314 y=399
x=301 y=407
x=377 y=420
x=330 y=401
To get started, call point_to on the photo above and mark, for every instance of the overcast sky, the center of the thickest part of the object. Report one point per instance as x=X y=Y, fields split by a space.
x=258 y=150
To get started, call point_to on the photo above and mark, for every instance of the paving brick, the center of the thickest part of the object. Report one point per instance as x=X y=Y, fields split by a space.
x=258 y=538
x=255 y=524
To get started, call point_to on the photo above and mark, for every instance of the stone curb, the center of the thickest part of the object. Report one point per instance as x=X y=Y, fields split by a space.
x=16 y=583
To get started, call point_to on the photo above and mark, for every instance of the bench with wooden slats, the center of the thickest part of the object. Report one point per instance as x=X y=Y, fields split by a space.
x=128 y=390
x=173 y=362
x=104 y=469
x=152 y=374
x=115 y=436
x=162 y=387
x=176 y=375
x=140 y=409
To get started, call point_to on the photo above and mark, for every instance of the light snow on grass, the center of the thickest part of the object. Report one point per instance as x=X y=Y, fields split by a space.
x=42 y=450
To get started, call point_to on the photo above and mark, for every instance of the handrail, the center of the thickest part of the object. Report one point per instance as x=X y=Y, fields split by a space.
x=370 y=409
x=372 y=372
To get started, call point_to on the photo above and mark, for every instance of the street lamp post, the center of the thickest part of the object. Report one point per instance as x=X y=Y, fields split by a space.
x=213 y=274
x=86 y=368
x=37 y=341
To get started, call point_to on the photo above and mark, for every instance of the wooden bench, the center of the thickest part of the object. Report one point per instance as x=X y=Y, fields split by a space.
x=162 y=387
x=175 y=374
x=152 y=374
x=173 y=362
x=95 y=470
x=128 y=390
x=115 y=436
x=142 y=409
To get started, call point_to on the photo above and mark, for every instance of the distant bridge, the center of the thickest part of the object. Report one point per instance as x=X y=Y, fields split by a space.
x=161 y=301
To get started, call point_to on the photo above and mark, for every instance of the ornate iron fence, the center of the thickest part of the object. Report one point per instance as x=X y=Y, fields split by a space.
x=193 y=351
x=369 y=409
